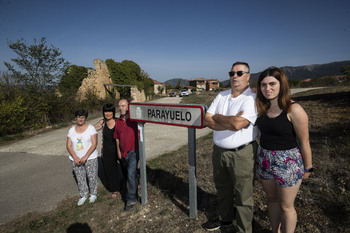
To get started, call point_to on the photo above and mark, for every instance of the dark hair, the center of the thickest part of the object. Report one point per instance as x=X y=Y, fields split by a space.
x=284 y=100
x=108 y=108
x=81 y=112
x=241 y=63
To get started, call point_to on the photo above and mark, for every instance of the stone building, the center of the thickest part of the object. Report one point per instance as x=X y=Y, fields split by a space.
x=159 y=88
x=96 y=80
x=199 y=83
x=205 y=84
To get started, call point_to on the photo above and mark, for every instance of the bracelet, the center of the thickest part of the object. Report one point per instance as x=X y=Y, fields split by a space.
x=311 y=169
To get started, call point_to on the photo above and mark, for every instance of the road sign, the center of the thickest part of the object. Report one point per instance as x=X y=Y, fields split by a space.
x=185 y=115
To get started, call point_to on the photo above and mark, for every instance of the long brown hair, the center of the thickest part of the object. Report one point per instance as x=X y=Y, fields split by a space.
x=284 y=100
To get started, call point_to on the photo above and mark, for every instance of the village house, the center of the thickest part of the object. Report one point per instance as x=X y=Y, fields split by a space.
x=212 y=84
x=159 y=88
x=205 y=84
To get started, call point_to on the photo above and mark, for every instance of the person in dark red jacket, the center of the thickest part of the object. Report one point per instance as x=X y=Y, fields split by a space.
x=126 y=136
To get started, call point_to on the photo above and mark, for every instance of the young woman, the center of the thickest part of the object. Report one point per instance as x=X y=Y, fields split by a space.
x=282 y=162
x=81 y=145
x=111 y=166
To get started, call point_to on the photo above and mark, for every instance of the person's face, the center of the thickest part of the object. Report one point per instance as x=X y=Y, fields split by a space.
x=270 y=87
x=108 y=115
x=80 y=120
x=123 y=107
x=239 y=81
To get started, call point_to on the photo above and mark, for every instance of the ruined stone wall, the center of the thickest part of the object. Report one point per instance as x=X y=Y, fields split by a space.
x=95 y=80
x=136 y=95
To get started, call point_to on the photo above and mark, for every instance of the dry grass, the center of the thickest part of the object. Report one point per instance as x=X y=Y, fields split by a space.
x=322 y=203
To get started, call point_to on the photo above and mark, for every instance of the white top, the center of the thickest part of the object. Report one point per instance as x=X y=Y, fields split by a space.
x=226 y=105
x=81 y=142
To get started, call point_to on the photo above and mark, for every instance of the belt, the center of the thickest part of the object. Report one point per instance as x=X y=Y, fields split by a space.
x=241 y=147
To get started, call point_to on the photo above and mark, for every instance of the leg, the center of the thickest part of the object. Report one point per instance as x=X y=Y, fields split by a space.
x=111 y=169
x=242 y=172
x=289 y=215
x=80 y=174
x=91 y=170
x=273 y=204
x=131 y=179
x=223 y=185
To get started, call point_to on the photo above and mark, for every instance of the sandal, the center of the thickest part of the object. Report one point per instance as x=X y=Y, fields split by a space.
x=114 y=195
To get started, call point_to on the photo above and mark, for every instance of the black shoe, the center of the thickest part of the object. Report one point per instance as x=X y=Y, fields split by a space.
x=216 y=225
x=129 y=206
x=212 y=225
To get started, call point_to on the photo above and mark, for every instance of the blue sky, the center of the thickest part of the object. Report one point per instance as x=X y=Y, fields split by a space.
x=183 y=38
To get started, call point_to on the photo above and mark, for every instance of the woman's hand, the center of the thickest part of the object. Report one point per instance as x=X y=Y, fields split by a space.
x=77 y=161
x=306 y=175
x=83 y=159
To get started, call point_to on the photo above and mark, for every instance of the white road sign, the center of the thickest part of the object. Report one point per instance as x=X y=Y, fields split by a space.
x=185 y=115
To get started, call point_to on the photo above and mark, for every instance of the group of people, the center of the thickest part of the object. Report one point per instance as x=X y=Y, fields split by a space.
x=119 y=153
x=281 y=159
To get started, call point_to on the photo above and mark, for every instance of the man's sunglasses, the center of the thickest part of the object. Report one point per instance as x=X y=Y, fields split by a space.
x=239 y=73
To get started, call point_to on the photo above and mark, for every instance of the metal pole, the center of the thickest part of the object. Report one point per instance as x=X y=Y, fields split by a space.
x=192 y=172
x=143 y=176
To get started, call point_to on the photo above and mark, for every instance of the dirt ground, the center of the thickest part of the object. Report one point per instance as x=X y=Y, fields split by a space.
x=322 y=204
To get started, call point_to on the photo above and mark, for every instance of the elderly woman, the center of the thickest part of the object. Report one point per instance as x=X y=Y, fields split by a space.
x=282 y=161
x=81 y=145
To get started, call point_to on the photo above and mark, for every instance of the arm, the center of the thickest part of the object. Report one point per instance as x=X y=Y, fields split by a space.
x=221 y=122
x=98 y=125
x=119 y=154
x=300 y=122
x=91 y=149
x=72 y=153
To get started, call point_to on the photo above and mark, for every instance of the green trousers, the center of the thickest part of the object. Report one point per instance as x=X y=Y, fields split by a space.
x=233 y=178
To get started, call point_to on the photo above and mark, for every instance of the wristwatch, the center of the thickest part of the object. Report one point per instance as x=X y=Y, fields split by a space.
x=311 y=169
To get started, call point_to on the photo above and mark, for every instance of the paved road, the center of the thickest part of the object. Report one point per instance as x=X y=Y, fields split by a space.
x=36 y=174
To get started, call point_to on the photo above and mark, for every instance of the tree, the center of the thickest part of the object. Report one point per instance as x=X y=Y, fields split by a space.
x=345 y=70
x=72 y=79
x=178 y=85
x=42 y=64
x=129 y=73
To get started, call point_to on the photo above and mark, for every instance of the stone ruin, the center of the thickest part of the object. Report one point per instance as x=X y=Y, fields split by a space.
x=95 y=84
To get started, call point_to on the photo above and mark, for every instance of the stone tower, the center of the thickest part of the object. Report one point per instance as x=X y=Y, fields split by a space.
x=95 y=80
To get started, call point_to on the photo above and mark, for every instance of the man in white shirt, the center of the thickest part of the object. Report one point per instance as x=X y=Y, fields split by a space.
x=232 y=116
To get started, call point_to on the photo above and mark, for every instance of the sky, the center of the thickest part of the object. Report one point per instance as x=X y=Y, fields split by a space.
x=182 y=38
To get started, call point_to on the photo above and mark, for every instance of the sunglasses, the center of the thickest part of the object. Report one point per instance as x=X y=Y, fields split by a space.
x=239 y=73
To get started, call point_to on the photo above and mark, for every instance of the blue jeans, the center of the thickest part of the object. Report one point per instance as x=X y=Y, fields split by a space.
x=131 y=161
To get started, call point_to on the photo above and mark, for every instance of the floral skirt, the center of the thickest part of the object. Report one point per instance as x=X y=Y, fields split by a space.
x=284 y=166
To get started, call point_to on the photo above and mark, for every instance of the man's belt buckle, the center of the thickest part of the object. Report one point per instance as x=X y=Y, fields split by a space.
x=241 y=147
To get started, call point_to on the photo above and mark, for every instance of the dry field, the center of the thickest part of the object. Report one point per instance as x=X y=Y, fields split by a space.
x=323 y=203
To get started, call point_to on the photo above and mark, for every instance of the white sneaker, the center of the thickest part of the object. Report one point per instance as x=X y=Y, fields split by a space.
x=92 y=198
x=82 y=200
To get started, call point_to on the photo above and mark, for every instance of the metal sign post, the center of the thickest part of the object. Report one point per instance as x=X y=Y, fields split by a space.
x=143 y=179
x=190 y=116
x=192 y=172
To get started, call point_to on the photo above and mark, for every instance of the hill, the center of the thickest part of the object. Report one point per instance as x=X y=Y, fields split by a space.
x=173 y=82
x=307 y=71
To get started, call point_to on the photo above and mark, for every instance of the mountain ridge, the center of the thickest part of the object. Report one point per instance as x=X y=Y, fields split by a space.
x=292 y=72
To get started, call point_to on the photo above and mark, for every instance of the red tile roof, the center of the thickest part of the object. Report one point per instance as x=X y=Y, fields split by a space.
x=156 y=82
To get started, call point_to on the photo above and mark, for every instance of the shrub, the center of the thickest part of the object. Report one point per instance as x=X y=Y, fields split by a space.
x=12 y=116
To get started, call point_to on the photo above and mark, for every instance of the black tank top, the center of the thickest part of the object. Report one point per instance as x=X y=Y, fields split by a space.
x=276 y=133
